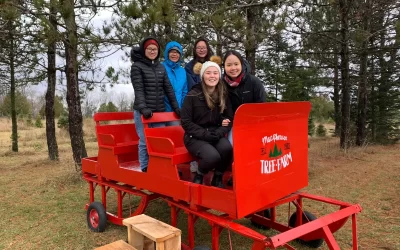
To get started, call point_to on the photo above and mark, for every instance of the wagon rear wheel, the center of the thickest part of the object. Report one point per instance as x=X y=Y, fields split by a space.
x=307 y=217
x=267 y=214
x=96 y=217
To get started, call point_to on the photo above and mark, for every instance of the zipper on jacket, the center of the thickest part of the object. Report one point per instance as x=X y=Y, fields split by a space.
x=155 y=73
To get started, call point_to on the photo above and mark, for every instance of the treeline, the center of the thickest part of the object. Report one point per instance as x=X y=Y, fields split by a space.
x=344 y=52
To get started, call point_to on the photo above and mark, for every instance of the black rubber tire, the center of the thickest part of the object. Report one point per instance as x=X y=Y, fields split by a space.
x=307 y=216
x=267 y=214
x=101 y=220
x=201 y=248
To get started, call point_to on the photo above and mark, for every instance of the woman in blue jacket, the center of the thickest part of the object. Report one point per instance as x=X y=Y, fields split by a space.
x=176 y=74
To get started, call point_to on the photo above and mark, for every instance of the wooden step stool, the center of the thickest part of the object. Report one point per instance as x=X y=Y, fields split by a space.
x=117 y=245
x=146 y=233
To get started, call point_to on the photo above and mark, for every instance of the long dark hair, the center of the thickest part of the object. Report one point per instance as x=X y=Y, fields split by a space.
x=235 y=53
x=209 y=50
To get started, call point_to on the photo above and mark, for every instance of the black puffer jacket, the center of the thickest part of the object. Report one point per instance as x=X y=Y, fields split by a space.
x=150 y=82
x=250 y=90
x=198 y=119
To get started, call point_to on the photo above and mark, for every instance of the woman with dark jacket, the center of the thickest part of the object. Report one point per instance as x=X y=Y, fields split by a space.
x=151 y=84
x=242 y=86
x=201 y=53
x=205 y=107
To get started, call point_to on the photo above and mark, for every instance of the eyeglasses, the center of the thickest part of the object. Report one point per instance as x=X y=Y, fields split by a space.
x=152 y=50
x=201 y=48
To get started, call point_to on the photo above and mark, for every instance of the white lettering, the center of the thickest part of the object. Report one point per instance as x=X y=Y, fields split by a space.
x=268 y=166
x=273 y=138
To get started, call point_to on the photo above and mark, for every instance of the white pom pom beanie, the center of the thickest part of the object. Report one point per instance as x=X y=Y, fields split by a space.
x=209 y=64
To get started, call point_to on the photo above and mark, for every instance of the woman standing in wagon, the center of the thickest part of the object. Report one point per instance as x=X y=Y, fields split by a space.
x=151 y=84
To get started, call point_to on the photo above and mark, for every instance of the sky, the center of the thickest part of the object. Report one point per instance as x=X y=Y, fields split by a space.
x=114 y=60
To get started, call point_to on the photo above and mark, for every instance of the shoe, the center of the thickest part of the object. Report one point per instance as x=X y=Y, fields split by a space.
x=230 y=182
x=144 y=170
x=217 y=180
x=198 y=178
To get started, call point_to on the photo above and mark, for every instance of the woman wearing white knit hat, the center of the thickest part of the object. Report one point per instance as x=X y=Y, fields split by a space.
x=205 y=107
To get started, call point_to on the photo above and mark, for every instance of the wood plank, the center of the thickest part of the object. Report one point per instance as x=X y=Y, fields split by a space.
x=173 y=243
x=117 y=245
x=153 y=229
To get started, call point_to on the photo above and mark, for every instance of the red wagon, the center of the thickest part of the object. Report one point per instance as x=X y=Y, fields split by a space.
x=270 y=166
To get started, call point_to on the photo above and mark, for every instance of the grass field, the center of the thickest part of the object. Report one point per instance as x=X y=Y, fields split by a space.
x=42 y=202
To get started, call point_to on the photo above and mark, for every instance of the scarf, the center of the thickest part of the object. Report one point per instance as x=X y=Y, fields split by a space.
x=234 y=83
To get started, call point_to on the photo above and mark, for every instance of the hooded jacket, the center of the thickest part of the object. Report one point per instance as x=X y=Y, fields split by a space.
x=176 y=74
x=150 y=82
x=249 y=90
x=198 y=119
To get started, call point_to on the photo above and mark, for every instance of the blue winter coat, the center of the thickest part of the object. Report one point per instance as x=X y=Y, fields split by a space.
x=176 y=74
x=194 y=78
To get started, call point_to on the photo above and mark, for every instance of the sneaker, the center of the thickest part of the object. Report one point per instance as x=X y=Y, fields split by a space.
x=217 y=180
x=194 y=166
x=198 y=178
x=144 y=170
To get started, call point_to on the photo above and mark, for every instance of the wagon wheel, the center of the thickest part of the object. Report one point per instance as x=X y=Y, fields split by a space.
x=96 y=217
x=267 y=214
x=307 y=217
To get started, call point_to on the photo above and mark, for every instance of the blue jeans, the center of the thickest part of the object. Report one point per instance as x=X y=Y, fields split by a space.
x=142 y=147
x=230 y=138
x=173 y=123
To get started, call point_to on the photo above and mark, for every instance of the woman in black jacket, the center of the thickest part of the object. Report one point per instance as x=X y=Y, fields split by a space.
x=151 y=84
x=242 y=86
x=205 y=107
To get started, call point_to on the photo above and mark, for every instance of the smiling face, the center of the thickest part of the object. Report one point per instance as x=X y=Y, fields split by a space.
x=151 y=52
x=174 y=55
x=201 y=49
x=232 y=66
x=211 y=77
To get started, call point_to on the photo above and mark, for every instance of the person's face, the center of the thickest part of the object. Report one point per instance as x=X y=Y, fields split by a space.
x=201 y=49
x=232 y=66
x=174 y=55
x=151 y=52
x=211 y=76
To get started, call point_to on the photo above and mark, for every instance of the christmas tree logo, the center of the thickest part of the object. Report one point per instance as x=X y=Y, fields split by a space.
x=277 y=152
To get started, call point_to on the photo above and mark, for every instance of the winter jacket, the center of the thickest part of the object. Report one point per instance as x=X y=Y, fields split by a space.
x=249 y=90
x=195 y=79
x=150 y=82
x=198 y=119
x=176 y=75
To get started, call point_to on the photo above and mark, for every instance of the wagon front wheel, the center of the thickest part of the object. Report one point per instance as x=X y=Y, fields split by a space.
x=96 y=217
x=307 y=217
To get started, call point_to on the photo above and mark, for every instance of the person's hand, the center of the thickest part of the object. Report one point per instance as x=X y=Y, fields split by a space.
x=220 y=132
x=211 y=137
x=178 y=112
x=147 y=113
x=225 y=122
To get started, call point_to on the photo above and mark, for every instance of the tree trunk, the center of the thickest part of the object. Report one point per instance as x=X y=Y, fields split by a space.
x=344 y=67
x=73 y=98
x=250 y=42
x=336 y=95
x=14 y=133
x=362 y=86
x=51 y=88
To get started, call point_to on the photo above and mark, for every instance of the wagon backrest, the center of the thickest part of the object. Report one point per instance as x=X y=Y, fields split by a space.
x=270 y=153
x=122 y=132
x=175 y=133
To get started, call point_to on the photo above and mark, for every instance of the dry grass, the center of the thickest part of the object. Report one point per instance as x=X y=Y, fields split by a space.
x=42 y=202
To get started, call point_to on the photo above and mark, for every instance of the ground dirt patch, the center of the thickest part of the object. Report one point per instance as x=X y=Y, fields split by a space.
x=42 y=202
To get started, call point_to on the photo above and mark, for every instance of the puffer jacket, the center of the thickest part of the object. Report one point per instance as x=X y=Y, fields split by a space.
x=195 y=79
x=198 y=119
x=176 y=74
x=249 y=90
x=150 y=82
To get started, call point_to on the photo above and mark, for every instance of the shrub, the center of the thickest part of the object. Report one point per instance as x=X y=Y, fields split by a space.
x=321 y=131
x=63 y=120
x=38 y=122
